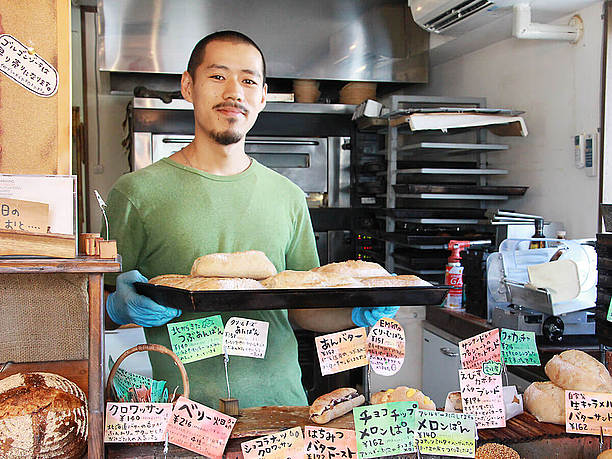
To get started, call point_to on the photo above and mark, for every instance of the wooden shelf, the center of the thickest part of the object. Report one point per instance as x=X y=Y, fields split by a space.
x=81 y=264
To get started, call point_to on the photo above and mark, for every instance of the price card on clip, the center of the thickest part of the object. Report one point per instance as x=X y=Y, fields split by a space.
x=482 y=396
x=445 y=434
x=342 y=351
x=386 y=347
x=197 y=339
x=325 y=443
x=287 y=444
x=519 y=347
x=246 y=337
x=481 y=348
x=588 y=412
x=198 y=428
x=136 y=422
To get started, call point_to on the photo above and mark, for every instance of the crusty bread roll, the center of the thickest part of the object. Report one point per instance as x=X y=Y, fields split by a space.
x=454 y=402
x=42 y=415
x=496 y=451
x=196 y=283
x=403 y=394
x=607 y=454
x=335 y=404
x=252 y=264
x=546 y=401
x=404 y=280
x=577 y=370
x=353 y=268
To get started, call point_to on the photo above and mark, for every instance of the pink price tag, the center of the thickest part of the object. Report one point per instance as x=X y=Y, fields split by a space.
x=200 y=429
x=326 y=443
x=479 y=349
x=483 y=397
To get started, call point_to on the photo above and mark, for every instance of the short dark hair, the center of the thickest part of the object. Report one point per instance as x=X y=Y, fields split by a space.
x=197 y=55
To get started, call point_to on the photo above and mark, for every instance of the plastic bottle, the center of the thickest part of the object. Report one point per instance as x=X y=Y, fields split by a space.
x=539 y=234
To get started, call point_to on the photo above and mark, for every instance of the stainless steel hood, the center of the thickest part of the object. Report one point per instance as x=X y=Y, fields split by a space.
x=351 y=40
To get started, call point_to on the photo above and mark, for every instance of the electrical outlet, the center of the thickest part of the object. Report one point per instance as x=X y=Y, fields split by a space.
x=98 y=169
x=579 y=151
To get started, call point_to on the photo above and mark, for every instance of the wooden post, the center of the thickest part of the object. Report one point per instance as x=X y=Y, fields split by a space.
x=95 y=442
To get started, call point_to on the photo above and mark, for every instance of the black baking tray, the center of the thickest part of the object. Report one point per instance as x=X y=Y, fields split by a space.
x=246 y=300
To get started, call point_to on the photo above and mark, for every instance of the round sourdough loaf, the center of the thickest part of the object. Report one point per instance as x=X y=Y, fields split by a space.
x=353 y=268
x=546 y=401
x=577 y=370
x=252 y=263
x=42 y=415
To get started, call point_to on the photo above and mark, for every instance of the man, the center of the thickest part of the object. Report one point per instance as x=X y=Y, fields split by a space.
x=211 y=197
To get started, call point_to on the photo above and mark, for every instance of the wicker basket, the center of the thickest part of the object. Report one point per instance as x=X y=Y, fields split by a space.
x=147 y=348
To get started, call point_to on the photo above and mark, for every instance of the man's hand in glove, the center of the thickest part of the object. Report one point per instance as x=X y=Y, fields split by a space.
x=125 y=306
x=368 y=316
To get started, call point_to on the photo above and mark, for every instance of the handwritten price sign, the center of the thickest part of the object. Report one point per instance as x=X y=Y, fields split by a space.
x=482 y=396
x=198 y=428
x=246 y=337
x=446 y=434
x=136 y=422
x=481 y=348
x=588 y=412
x=326 y=443
x=342 y=351
x=386 y=347
x=288 y=444
x=519 y=347
x=385 y=430
x=197 y=339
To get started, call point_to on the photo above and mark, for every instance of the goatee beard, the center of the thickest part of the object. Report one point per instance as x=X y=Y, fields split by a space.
x=226 y=138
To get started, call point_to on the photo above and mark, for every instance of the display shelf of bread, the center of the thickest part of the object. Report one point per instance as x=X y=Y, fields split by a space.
x=218 y=282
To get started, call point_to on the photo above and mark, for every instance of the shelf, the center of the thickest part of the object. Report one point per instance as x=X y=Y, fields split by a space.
x=79 y=264
x=453 y=196
x=442 y=221
x=467 y=190
x=444 y=171
x=450 y=148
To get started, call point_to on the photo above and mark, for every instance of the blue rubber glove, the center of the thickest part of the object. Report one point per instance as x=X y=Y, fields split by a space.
x=125 y=306
x=368 y=316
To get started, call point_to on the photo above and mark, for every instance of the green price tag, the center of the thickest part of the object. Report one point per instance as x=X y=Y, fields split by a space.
x=386 y=429
x=491 y=368
x=610 y=311
x=197 y=339
x=519 y=347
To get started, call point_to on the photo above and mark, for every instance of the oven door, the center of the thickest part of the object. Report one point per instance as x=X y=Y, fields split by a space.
x=300 y=159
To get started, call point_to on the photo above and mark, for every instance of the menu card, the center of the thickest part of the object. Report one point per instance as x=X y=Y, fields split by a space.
x=481 y=348
x=16 y=214
x=287 y=444
x=386 y=429
x=246 y=337
x=445 y=434
x=588 y=412
x=483 y=397
x=326 y=443
x=519 y=347
x=198 y=428
x=342 y=351
x=386 y=347
x=136 y=422
x=197 y=339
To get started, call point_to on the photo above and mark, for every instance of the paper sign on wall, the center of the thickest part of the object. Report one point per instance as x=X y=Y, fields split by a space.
x=287 y=444
x=198 y=428
x=481 y=348
x=386 y=429
x=386 y=347
x=342 y=351
x=482 y=396
x=246 y=337
x=136 y=422
x=30 y=216
x=326 y=443
x=197 y=339
x=519 y=347
x=588 y=412
x=445 y=434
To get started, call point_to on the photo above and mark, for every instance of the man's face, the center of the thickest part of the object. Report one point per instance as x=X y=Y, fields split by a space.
x=227 y=92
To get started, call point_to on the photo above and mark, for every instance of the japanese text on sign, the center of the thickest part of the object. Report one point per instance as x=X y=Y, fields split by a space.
x=386 y=347
x=326 y=443
x=197 y=339
x=342 y=351
x=27 y=68
x=588 y=412
x=288 y=444
x=519 y=347
x=136 y=422
x=482 y=397
x=246 y=337
x=481 y=348
x=198 y=428
x=491 y=368
x=385 y=430
x=446 y=434
x=16 y=214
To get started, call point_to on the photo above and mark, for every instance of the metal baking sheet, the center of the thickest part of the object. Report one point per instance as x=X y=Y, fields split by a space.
x=244 y=300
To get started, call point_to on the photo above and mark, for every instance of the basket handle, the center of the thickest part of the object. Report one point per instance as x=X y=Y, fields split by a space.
x=145 y=348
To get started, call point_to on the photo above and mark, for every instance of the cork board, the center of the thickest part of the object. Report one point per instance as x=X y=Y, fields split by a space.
x=35 y=132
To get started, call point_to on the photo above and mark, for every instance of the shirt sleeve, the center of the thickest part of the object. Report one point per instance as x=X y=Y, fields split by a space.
x=127 y=228
x=302 y=252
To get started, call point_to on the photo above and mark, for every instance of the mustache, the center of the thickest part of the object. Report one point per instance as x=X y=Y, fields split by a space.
x=240 y=107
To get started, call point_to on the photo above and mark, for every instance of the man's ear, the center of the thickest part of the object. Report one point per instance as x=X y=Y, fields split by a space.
x=264 y=96
x=186 y=86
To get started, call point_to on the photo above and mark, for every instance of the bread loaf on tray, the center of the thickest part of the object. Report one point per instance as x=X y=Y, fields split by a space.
x=195 y=283
x=253 y=264
x=404 y=280
x=353 y=268
x=308 y=279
